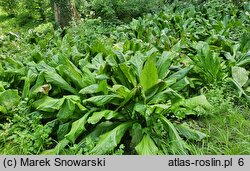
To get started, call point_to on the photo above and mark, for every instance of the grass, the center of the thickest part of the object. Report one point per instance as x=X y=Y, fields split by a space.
x=227 y=127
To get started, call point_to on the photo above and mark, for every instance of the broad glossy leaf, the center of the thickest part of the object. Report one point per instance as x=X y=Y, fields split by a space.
x=177 y=145
x=74 y=98
x=100 y=100
x=130 y=95
x=66 y=110
x=42 y=67
x=120 y=90
x=164 y=63
x=90 y=89
x=78 y=127
x=103 y=87
x=140 y=108
x=197 y=101
x=107 y=114
x=71 y=74
x=119 y=78
x=181 y=84
x=146 y=146
x=243 y=61
x=149 y=74
x=88 y=76
x=99 y=130
x=97 y=63
x=48 y=104
x=168 y=94
x=159 y=87
x=160 y=108
x=129 y=73
x=180 y=74
x=63 y=130
x=9 y=99
x=136 y=133
x=138 y=60
x=240 y=89
x=240 y=75
x=111 y=139
x=245 y=42
x=57 y=80
x=189 y=133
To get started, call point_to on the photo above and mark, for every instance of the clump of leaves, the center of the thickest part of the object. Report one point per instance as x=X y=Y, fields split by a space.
x=111 y=9
x=119 y=96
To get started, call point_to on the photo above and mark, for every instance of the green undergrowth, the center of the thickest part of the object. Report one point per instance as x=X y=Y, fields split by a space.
x=227 y=126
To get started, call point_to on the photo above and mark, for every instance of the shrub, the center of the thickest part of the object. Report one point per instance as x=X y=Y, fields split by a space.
x=9 y=6
x=120 y=9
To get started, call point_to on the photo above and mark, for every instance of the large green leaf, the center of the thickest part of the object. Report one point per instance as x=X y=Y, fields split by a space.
x=181 y=84
x=164 y=63
x=136 y=133
x=177 y=145
x=98 y=130
x=180 y=74
x=138 y=60
x=240 y=89
x=101 y=99
x=197 y=101
x=244 y=60
x=57 y=80
x=120 y=90
x=146 y=146
x=48 y=104
x=70 y=73
x=149 y=74
x=107 y=114
x=78 y=127
x=189 y=133
x=128 y=98
x=129 y=73
x=63 y=130
x=168 y=94
x=111 y=139
x=90 y=89
x=9 y=99
x=66 y=110
x=240 y=75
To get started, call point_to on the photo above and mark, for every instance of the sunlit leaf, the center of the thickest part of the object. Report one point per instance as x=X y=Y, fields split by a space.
x=240 y=75
x=9 y=99
x=111 y=139
x=48 y=104
x=149 y=74
x=146 y=146
x=77 y=128
x=107 y=114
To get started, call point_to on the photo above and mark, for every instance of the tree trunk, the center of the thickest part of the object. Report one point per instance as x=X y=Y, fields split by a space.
x=65 y=11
